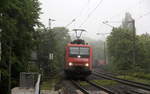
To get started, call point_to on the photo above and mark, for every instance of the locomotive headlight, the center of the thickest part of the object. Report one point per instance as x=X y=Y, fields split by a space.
x=79 y=56
x=70 y=63
x=86 y=64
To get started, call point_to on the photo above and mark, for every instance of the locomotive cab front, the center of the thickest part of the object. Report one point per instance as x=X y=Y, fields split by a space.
x=78 y=60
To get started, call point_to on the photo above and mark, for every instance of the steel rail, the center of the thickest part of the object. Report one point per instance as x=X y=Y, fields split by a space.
x=127 y=82
x=101 y=87
x=80 y=88
x=133 y=91
x=125 y=79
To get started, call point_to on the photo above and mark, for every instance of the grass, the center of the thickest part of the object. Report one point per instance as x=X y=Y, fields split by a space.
x=84 y=83
x=49 y=84
x=105 y=82
x=141 y=75
x=127 y=77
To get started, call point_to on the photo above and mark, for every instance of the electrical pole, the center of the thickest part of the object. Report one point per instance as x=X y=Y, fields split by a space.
x=104 y=52
x=9 y=69
x=106 y=23
x=50 y=21
x=134 y=34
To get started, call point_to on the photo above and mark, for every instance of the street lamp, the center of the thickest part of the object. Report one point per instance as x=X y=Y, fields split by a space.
x=103 y=34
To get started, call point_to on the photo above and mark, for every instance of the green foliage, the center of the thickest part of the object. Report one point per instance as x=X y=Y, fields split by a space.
x=52 y=41
x=144 y=52
x=120 y=49
x=46 y=46
x=141 y=75
x=17 y=21
x=32 y=67
x=62 y=38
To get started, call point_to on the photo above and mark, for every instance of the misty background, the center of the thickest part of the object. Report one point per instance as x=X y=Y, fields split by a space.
x=89 y=14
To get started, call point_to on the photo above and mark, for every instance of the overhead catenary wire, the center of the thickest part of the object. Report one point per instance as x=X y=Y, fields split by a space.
x=140 y=17
x=85 y=6
x=128 y=8
x=100 y=2
x=135 y=5
x=70 y=22
x=111 y=21
x=146 y=14
x=80 y=13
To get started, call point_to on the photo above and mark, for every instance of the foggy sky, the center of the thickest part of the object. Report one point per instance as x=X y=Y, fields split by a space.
x=64 y=11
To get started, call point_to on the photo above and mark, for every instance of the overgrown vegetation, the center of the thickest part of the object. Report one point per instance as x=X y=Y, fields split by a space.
x=121 y=47
x=50 y=83
x=21 y=35
x=52 y=42
x=17 y=21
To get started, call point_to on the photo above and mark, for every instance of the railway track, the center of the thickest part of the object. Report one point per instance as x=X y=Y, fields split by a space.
x=123 y=81
x=85 y=91
x=133 y=92
x=101 y=87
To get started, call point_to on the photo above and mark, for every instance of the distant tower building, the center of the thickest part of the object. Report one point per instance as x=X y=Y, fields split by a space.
x=127 y=22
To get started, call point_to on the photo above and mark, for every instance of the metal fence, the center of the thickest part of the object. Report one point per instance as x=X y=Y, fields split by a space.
x=28 y=79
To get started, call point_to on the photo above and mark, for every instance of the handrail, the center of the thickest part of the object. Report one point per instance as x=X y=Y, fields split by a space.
x=37 y=86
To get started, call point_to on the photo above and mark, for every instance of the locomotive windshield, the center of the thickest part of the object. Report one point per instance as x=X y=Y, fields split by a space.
x=82 y=51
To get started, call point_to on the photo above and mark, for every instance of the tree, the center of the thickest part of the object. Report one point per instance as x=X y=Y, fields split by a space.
x=125 y=47
x=17 y=21
x=52 y=41
x=120 y=48
x=62 y=37
x=144 y=52
x=46 y=46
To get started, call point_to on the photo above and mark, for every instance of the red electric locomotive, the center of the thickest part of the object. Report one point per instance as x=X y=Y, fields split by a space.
x=78 y=59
